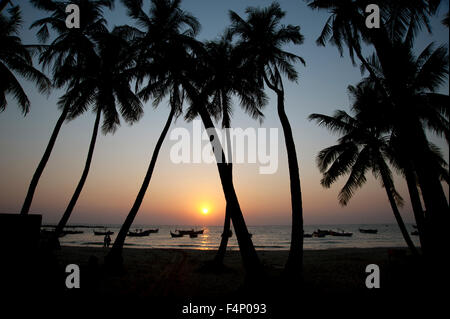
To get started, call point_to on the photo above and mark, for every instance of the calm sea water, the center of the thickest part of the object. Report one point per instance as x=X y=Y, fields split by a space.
x=264 y=237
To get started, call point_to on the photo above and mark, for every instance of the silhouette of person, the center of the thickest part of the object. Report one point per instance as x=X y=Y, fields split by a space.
x=106 y=241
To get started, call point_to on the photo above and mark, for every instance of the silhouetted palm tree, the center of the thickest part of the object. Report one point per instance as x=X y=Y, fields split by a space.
x=231 y=76
x=70 y=47
x=104 y=84
x=362 y=147
x=263 y=38
x=16 y=58
x=168 y=33
x=182 y=65
x=401 y=20
x=412 y=107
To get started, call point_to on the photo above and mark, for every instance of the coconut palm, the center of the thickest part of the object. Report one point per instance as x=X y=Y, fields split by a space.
x=16 y=58
x=362 y=147
x=413 y=106
x=168 y=33
x=262 y=37
x=230 y=77
x=392 y=44
x=69 y=48
x=102 y=83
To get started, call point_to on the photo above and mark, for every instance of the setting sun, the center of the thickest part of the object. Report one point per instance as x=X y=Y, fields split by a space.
x=205 y=210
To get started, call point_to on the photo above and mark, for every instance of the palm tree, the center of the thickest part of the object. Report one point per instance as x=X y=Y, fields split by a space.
x=392 y=44
x=70 y=47
x=15 y=57
x=263 y=37
x=362 y=147
x=168 y=33
x=414 y=106
x=103 y=83
x=176 y=57
x=230 y=77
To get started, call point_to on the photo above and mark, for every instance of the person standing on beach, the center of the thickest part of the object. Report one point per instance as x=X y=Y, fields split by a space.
x=106 y=241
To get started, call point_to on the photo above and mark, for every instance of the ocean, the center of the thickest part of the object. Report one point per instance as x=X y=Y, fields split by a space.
x=264 y=237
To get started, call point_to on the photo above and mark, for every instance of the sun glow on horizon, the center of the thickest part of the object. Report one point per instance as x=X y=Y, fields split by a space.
x=205 y=211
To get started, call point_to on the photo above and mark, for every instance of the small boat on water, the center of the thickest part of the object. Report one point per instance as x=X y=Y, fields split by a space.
x=193 y=235
x=340 y=234
x=175 y=235
x=152 y=231
x=139 y=233
x=318 y=234
x=368 y=231
x=190 y=231
x=103 y=233
x=307 y=235
x=184 y=232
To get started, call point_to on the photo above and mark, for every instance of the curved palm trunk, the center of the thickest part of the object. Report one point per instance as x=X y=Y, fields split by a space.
x=40 y=168
x=398 y=217
x=218 y=259
x=250 y=259
x=227 y=224
x=62 y=223
x=417 y=208
x=114 y=257
x=437 y=209
x=295 y=260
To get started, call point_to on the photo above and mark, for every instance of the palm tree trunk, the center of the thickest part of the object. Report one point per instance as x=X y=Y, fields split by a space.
x=417 y=207
x=398 y=217
x=40 y=168
x=62 y=223
x=224 y=240
x=436 y=205
x=227 y=224
x=250 y=259
x=295 y=260
x=114 y=257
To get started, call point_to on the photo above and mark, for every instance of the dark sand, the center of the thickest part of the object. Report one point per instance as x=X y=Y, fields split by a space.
x=178 y=272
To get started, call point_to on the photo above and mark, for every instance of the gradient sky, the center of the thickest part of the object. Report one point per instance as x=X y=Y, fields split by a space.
x=178 y=192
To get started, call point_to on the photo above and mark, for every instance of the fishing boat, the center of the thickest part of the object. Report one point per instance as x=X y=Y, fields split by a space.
x=318 y=234
x=321 y=233
x=368 y=231
x=138 y=233
x=152 y=231
x=185 y=232
x=103 y=233
x=340 y=234
x=174 y=235
x=307 y=235
x=193 y=235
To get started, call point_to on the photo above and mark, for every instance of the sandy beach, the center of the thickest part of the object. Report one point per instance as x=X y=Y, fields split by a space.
x=179 y=273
